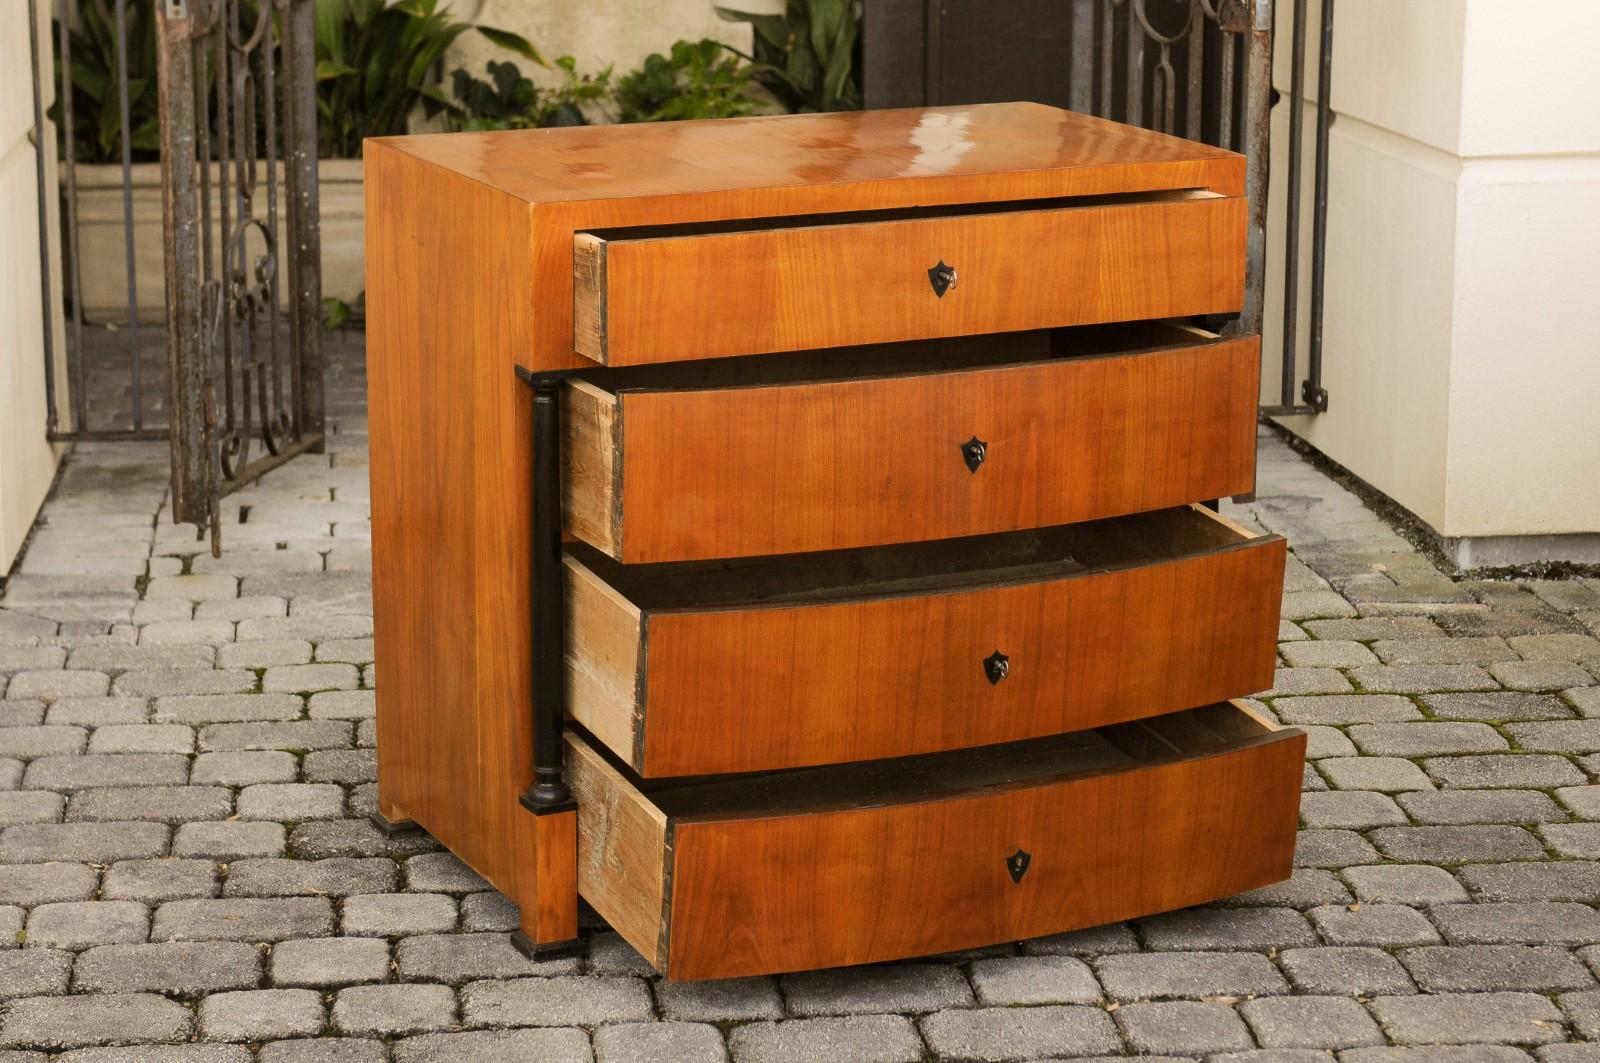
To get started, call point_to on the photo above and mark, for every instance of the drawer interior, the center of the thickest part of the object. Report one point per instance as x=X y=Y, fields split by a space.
x=920 y=568
x=1199 y=732
x=911 y=357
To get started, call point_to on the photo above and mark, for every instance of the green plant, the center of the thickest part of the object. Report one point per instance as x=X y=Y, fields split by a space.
x=809 y=57
x=699 y=79
x=508 y=100
x=96 y=106
x=375 y=63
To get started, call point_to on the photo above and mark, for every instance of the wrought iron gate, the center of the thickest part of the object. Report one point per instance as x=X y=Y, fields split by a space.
x=235 y=90
x=225 y=110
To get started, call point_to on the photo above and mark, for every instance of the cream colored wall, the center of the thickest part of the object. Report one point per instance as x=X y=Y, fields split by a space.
x=598 y=32
x=27 y=461
x=1464 y=196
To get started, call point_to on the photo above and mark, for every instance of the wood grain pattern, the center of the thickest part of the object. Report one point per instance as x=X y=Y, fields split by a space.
x=759 y=679
x=665 y=299
x=737 y=471
x=1158 y=820
x=591 y=474
x=582 y=179
x=450 y=439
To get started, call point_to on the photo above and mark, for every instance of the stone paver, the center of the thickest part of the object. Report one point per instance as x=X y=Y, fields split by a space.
x=186 y=874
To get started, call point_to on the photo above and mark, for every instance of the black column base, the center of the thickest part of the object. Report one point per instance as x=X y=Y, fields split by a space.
x=545 y=950
x=390 y=827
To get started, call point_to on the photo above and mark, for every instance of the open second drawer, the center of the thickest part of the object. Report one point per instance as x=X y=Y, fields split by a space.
x=765 y=663
x=830 y=866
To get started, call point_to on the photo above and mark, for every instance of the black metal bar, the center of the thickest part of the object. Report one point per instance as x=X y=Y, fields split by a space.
x=549 y=792
x=126 y=128
x=933 y=54
x=1311 y=390
x=47 y=318
x=1291 y=229
x=1080 y=93
x=305 y=222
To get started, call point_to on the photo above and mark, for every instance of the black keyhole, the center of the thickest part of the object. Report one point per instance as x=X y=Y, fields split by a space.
x=1017 y=863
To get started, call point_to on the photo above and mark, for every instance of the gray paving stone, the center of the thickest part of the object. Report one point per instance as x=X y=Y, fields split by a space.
x=1155 y=976
x=1326 y=653
x=335 y=877
x=1373 y=924
x=29 y=713
x=1291 y=681
x=1332 y=848
x=1580 y=840
x=1479 y=968
x=30 y=806
x=441 y=873
x=1539 y=675
x=1405 y=884
x=1439 y=1054
x=228 y=840
x=1326 y=742
x=200 y=709
x=1582 y=800
x=1583 y=1011
x=10 y=773
x=1183 y=1027
x=294 y=735
x=25 y=743
x=1531 y=922
x=330 y=962
x=659 y=1042
x=243 y=919
x=1094 y=941
x=342 y=705
x=163 y=879
x=81 y=842
x=80 y=924
x=332 y=1050
x=159 y=682
x=142 y=738
x=291 y=801
x=1495 y=706
x=189 y=969
x=559 y=1001
x=384 y=1010
x=1557 y=647
x=1325 y=1022
x=97 y=712
x=33 y=972
x=264 y=653
x=495 y=1046
x=11 y=923
x=1371 y=628
x=1557 y=736
x=51 y=685
x=1464 y=1018
x=159 y=804
x=1343 y=709
x=610 y=954
x=1583 y=1052
x=859 y=1038
x=244 y=769
x=1480 y=806
x=1306 y=887
x=31 y=884
x=1511 y=770
x=1351 y=971
x=261 y=1014
x=122 y=769
x=1387 y=774
x=1313 y=605
x=1457 y=845
x=115 y=660
x=1422 y=678
x=1349 y=808
x=1028 y=980
x=399 y=914
x=1425 y=739
x=1585 y=699
x=56 y=1023
x=721 y=1001
x=489 y=910
x=308 y=678
x=344 y=766
x=459 y=958
x=1443 y=650
x=1562 y=880
x=1203 y=929
x=861 y=990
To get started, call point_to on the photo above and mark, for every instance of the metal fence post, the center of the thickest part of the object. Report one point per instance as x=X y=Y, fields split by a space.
x=305 y=225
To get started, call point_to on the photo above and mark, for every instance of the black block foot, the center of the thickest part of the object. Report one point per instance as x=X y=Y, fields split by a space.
x=390 y=827
x=545 y=950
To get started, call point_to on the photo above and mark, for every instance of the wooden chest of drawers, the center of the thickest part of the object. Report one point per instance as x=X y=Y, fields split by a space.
x=848 y=529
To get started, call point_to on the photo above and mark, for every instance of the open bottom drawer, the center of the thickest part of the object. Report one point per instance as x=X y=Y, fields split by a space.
x=822 y=867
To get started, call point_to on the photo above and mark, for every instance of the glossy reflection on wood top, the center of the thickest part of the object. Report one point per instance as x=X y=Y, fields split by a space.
x=685 y=158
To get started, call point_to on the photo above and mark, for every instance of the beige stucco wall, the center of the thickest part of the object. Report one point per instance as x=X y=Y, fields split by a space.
x=1464 y=196
x=598 y=33
x=27 y=460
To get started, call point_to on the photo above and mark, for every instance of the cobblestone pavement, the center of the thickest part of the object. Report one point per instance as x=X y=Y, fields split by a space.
x=186 y=760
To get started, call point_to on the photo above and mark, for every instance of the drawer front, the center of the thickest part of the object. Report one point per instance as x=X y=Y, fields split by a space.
x=746 y=892
x=759 y=686
x=669 y=298
x=729 y=472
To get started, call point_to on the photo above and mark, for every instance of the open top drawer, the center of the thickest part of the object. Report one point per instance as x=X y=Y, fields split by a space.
x=767 y=663
x=784 y=284
x=830 y=866
x=826 y=450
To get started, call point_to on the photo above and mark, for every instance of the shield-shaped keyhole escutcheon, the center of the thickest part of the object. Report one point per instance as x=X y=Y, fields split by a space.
x=1017 y=864
x=942 y=278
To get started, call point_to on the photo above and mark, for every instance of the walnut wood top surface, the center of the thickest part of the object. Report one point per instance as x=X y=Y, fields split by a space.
x=801 y=151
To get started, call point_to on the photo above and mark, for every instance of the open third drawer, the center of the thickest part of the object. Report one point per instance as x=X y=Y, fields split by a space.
x=823 y=867
x=766 y=663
